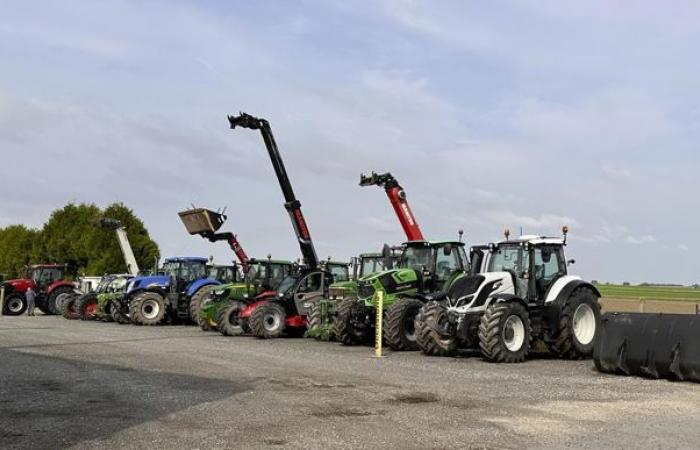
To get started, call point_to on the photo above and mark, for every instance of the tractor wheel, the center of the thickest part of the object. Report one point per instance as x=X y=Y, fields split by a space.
x=197 y=300
x=70 y=310
x=86 y=305
x=319 y=323
x=229 y=321
x=578 y=326
x=53 y=300
x=433 y=315
x=61 y=299
x=267 y=320
x=400 y=324
x=106 y=316
x=15 y=305
x=345 y=329
x=504 y=333
x=148 y=308
x=119 y=314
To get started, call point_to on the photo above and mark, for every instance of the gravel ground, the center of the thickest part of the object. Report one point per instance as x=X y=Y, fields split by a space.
x=94 y=385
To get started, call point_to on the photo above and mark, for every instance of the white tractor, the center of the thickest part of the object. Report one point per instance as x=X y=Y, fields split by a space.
x=523 y=295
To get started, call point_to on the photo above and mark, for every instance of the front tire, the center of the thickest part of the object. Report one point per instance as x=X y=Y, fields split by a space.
x=15 y=305
x=504 y=333
x=399 y=326
x=430 y=342
x=578 y=327
x=86 y=306
x=320 y=321
x=196 y=301
x=120 y=314
x=268 y=320
x=345 y=328
x=229 y=321
x=70 y=310
x=148 y=308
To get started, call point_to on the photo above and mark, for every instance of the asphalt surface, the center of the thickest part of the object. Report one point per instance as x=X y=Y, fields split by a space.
x=95 y=385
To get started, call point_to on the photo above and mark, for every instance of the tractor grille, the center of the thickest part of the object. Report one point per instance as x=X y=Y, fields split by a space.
x=365 y=290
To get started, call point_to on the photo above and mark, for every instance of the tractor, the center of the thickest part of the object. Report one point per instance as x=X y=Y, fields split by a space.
x=47 y=281
x=284 y=311
x=424 y=267
x=323 y=312
x=525 y=295
x=97 y=304
x=155 y=299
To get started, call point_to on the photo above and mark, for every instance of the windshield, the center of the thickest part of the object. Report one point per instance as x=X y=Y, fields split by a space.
x=286 y=284
x=417 y=257
x=371 y=264
x=102 y=287
x=340 y=273
x=187 y=270
x=170 y=268
x=507 y=258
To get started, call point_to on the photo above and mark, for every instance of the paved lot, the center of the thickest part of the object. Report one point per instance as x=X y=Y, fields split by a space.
x=94 y=385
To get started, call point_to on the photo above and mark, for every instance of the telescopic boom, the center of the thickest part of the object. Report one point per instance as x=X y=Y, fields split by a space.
x=397 y=197
x=292 y=205
x=129 y=259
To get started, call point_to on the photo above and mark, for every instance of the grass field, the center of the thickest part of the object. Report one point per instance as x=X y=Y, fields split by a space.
x=650 y=292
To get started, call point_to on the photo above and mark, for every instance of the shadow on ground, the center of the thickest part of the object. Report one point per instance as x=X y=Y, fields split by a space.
x=50 y=402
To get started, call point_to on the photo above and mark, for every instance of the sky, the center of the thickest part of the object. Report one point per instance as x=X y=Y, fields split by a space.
x=524 y=115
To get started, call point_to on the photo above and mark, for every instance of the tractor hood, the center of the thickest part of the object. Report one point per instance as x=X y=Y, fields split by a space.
x=19 y=284
x=390 y=281
x=162 y=281
x=236 y=291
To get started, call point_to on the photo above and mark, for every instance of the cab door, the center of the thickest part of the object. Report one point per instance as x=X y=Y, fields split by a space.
x=310 y=289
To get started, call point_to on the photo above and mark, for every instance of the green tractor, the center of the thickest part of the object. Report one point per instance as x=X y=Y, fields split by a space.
x=424 y=268
x=262 y=275
x=322 y=314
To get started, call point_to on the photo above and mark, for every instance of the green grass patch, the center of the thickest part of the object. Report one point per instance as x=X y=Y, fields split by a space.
x=650 y=292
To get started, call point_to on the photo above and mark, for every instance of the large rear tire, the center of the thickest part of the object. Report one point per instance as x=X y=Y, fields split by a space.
x=229 y=321
x=148 y=308
x=15 y=305
x=505 y=333
x=87 y=307
x=399 y=324
x=431 y=343
x=578 y=327
x=53 y=301
x=345 y=329
x=70 y=310
x=268 y=320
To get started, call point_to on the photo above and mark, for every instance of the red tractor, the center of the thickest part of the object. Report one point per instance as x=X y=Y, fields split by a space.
x=47 y=281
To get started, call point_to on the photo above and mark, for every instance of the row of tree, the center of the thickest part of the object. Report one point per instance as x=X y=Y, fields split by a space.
x=72 y=236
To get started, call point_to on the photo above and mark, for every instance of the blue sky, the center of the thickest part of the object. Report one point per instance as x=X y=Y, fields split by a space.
x=491 y=114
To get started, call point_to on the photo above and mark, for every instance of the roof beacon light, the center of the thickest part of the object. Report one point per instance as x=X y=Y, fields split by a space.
x=565 y=230
x=507 y=233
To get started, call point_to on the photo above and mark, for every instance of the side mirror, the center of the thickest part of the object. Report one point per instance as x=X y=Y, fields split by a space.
x=570 y=262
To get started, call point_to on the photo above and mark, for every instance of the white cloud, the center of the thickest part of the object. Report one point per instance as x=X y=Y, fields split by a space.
x=639 y=240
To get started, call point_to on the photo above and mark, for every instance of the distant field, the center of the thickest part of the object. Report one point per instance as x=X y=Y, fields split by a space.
x=650 y=292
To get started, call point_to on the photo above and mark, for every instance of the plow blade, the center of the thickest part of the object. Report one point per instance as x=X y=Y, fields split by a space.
x=202 y=221
x=649 y=345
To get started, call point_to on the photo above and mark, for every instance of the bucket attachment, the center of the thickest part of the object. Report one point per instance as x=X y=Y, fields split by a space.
x=202 y=221
x=649 y=345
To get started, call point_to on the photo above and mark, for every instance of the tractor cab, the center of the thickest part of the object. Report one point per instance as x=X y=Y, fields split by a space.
x=339 y=270
x=434 y=262
x=225 y=274
x=184 y=270
x=45 y=275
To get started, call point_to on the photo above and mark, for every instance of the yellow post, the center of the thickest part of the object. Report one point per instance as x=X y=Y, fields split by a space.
x=2 y=300
x=378 y=325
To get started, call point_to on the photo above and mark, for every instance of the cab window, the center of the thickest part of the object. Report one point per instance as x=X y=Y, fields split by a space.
x=311 y=283
x=447 y=262
x=340 y=273
x=548 y=264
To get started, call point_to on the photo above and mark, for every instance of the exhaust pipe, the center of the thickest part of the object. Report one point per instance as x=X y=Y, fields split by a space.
x=649 y=345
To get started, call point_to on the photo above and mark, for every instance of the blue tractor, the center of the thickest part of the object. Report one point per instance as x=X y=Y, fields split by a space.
x=165 y=296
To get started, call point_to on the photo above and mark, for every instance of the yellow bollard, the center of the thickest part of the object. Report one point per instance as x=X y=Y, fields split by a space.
x=2 y=301
x=378 y=326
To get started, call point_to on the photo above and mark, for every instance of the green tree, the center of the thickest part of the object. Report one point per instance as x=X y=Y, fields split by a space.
x=17 y=250
x=72 y=236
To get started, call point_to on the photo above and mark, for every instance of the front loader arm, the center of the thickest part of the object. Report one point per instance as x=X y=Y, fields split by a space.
x=397 y=197
x=292 y=204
